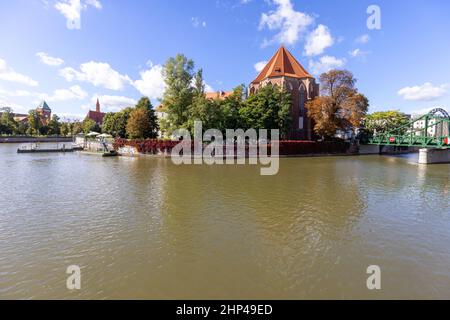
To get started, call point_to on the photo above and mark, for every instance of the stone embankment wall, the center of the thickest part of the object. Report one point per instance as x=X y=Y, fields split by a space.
x=34 y=139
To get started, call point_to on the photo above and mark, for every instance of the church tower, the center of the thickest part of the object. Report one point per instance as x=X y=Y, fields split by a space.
x=285 y=71
x=97 y=106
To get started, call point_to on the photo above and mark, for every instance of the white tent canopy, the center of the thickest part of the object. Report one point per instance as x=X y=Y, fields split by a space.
x=92 y=134
x=104 y=136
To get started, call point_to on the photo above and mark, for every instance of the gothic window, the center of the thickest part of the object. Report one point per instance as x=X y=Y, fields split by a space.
x=311 y=90
x=302 y=100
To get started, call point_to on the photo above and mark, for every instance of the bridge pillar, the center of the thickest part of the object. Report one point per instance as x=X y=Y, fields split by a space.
x=431 y=156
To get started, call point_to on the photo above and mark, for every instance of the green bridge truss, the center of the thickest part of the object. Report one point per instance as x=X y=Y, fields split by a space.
x=429 y=131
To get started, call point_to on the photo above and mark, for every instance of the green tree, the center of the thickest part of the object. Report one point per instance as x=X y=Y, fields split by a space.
x=230 y=108
x=139 y=125
x=115 y=124
x=54 y=126
x=77 y=128
x=7 y=123
x=65 y=129
x=208 y=111
x=178 y=73
x=44 y=130
x=340 y=106
x=34 y=122
x=385 y=121
x=145 y=103
x=199 y=83
x=268 y=108
x=22 y=128
x=90 y=125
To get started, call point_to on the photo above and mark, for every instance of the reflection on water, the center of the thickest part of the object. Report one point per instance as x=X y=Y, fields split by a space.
x=144 y=228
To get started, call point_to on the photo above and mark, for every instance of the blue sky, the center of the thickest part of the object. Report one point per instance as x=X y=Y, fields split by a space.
x=115 y=48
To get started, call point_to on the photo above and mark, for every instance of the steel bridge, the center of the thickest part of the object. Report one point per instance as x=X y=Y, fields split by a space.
x=429 y=131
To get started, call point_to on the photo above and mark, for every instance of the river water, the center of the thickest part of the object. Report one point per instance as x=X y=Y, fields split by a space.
x=147 y=229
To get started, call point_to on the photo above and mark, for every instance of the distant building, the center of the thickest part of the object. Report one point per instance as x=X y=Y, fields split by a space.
x=435 y=127
x=44 y=112
x=285 y=71
x=97 y=116
x=221 y=95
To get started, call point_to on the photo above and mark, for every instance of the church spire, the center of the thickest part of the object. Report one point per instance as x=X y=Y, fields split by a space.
x=97 y=106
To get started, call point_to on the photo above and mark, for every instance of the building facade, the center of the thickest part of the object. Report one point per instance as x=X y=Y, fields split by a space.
x=285 y=71
x=44 y=112
x=436 y=127
x=97 y=116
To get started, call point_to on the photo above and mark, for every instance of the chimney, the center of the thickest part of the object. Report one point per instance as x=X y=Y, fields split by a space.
x=97 y=106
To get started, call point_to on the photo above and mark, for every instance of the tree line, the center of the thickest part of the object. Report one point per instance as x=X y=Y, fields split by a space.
x=340 y=107
x=35 y=125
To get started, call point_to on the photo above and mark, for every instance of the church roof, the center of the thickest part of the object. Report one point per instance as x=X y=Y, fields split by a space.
x=43 y=105
x=282 y=64
x=97 y=117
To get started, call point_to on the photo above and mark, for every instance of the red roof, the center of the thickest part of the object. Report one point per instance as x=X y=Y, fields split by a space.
x=282 y=64
x=96 y=116
x=218 y=95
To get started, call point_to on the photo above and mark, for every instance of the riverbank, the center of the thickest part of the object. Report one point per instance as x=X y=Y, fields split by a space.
x=287 y=149
x=35 y=139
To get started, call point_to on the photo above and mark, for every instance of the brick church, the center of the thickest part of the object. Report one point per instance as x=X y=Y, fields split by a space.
x=285 y=71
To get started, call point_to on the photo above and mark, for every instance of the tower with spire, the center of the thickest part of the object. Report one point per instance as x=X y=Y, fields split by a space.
x=96 y=116
x=45 y=112
x=285 y=71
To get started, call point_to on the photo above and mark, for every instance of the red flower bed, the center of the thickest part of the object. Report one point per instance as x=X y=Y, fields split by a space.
x=287 y=148
x=150 y=146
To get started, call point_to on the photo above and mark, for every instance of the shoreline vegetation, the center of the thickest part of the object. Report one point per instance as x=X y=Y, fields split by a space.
x=339 y=115
x=286 y=148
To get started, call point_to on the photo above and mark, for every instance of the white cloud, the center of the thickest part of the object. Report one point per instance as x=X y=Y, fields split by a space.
x=71 y=10
x=259 y=66
x=196 y=22
x=424 y=111
x=15 y=93
x=318 y=41
x=363 y=39
x=94 y=3
x=70 y=117
x=17 y=108
x=152 y=82
x=112 y=103
x=51 y=61
x=73 y=93
x=8 y=74
x=289 y=23
x=97 y=73
x=425 y=92
x=325 y=64
x=208 y=88
x=358 y=53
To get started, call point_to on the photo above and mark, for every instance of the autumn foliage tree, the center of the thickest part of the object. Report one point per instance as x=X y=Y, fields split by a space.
x=340 y=106
x=139 y=125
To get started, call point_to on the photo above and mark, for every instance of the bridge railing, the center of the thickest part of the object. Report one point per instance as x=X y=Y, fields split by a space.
x=433 y=132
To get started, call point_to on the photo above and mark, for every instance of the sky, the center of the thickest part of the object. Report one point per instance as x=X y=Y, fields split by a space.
x=71 y=52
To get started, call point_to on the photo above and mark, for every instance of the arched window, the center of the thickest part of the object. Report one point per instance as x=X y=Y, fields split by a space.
x=302 y=102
